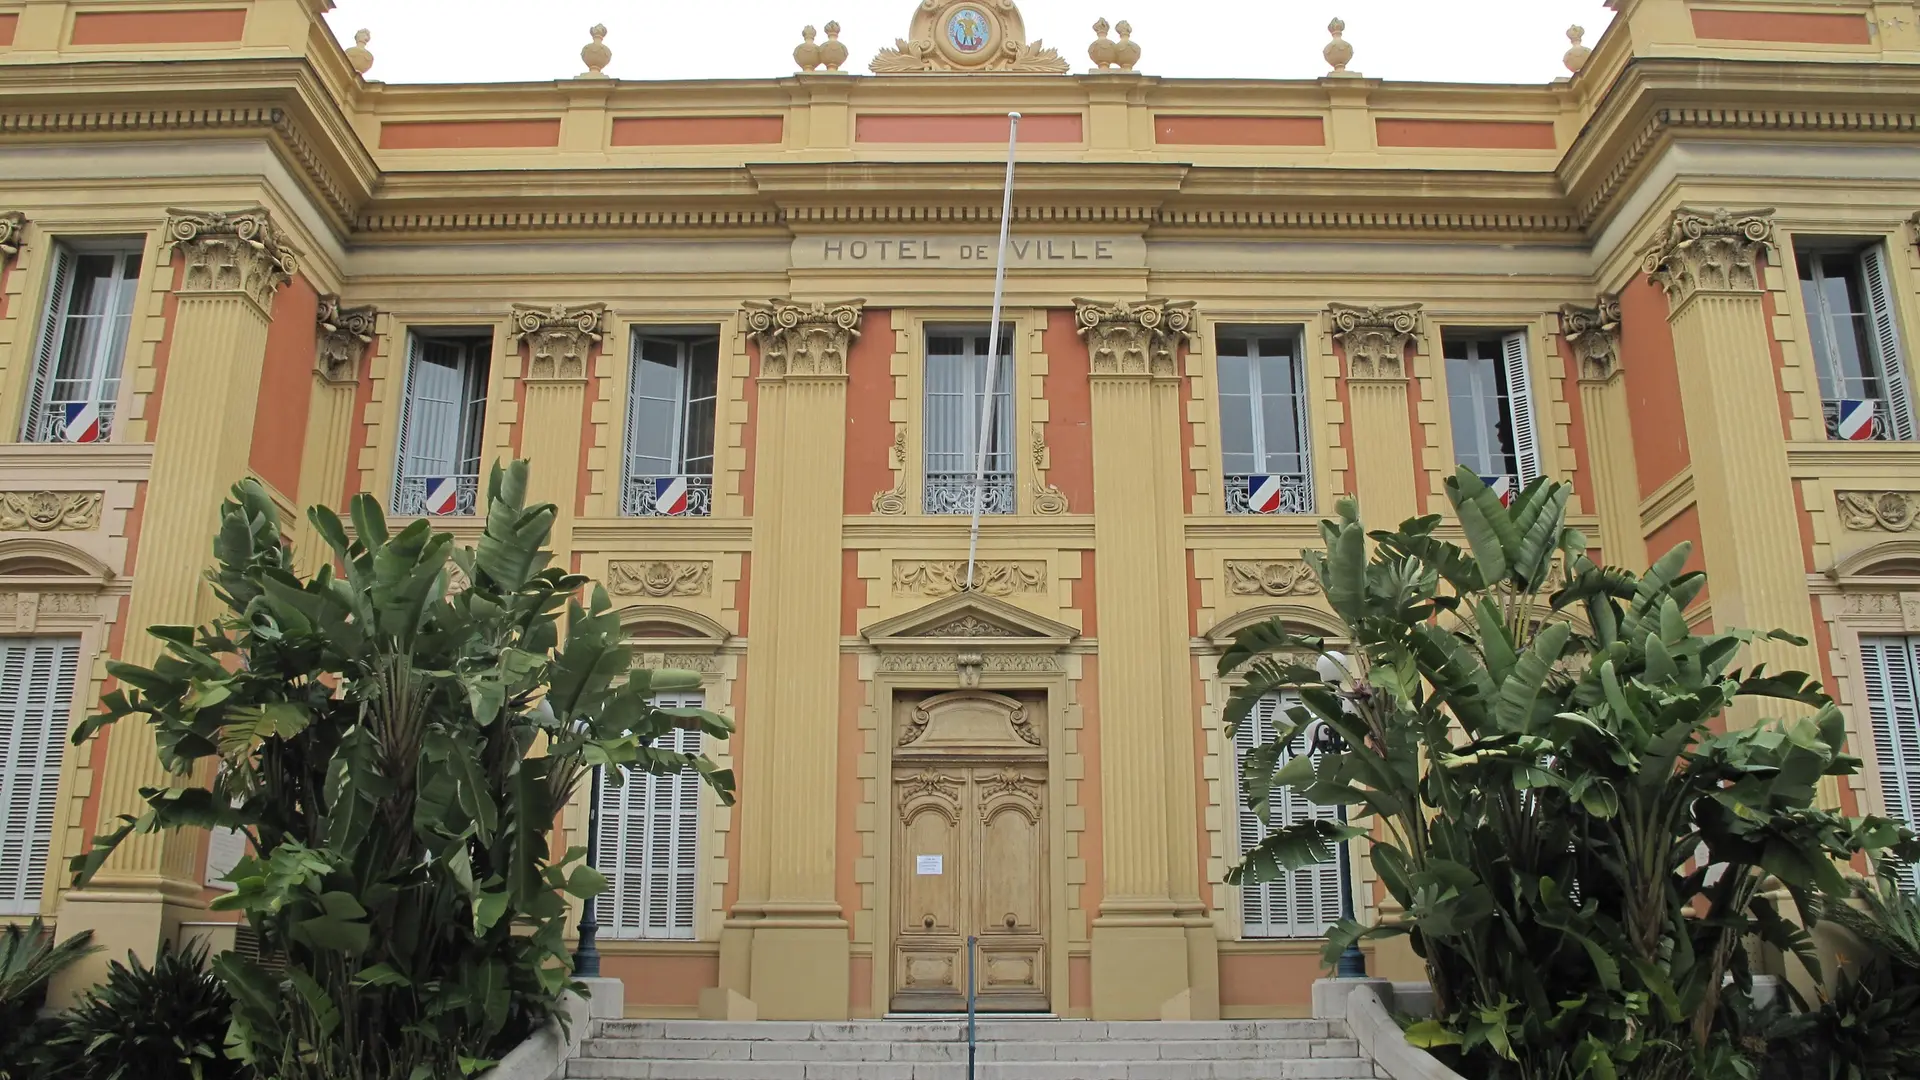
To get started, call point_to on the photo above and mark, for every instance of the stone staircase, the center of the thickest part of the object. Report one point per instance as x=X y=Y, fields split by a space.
x=937 y=1050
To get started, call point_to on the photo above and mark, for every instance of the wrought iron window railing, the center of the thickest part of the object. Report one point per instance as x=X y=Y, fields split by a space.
x=411 y=494
x=642 y=496
x=952 y=493
x=1296 y=495
x=50 y=421
x=1833 y=412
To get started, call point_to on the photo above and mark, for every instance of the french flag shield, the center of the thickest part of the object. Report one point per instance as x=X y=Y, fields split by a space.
x=1856 y=420
x=1263 y=494
x=670 y=495
x=443 y=495
x=1502 y=487
x=83 y=421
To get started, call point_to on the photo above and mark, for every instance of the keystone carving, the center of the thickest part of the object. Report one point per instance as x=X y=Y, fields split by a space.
x=558 y=338
x=893 y=501
x=239 y=251
x=345 y=334
x=803 y=339
x=1286 y=577
x=1879 y=511
x=945 y=577
x=1594 y=334
x=660 y=579
x=12 y=223
x=1135 y=338
x=1048 y=501
x=967 y=35
x=1710 y=250
x=1375 y=339
x=49 y=511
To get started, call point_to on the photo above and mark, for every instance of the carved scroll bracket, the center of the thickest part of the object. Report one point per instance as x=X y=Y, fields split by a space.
x=1709 y=251
x=1594 y=334
x=1048 y=501
x=893 y=501
x=12 y=224
x=345 y=333
x=1375 y=339
x=803 y=339
x=232 y=252
x=1141 y=338
x=558 y=338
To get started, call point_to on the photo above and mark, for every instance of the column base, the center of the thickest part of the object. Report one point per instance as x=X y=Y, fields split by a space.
x=792 y=972
x=122 y=923
x=1155 y=970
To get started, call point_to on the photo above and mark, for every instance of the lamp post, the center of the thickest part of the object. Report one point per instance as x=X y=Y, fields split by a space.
x=586 y=955
x=1322 y=738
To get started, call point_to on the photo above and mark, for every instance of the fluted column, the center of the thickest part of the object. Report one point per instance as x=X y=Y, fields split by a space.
x=1709 y=263
x=560 y=345
x=1154 y=951
x=1375 y=342
x=786 y=943
x=1594 y=334
x=342 y=335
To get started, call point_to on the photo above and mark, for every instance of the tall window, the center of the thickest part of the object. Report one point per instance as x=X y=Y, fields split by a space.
x=1491 y=404
x=442 y=414
x=1892 y=668
x=1856 y=342
x=670 y=426
x=956 y=389
x=83 y=342
x=36 y=693
x=650 y=844
x=1302 y=903
x=1264 y=438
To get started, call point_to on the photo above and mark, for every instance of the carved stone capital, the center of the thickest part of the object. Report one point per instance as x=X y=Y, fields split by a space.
x=803 y=339
x=1711 y=251
x=12 y=223
x=345 y=334
x=1375 y=339
x=558 y=338
x=1594 y=334
x=1913 y=227
x=241 y=251
x=1141 y=338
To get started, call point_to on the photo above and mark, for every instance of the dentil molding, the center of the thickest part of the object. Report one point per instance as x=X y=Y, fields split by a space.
x=558 y=338
x=660 y=579
x=1375 y=339
x=1141 y=338
x=49 y=511
x=803 y=339
x=1594 y=334
x=345 y=334
x=1709 y=250
x=1878 y=511
x=232 y=251
x=12 y=224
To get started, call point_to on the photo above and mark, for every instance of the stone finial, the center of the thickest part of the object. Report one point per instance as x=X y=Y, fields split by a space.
x=345 y=334
x=1576 y=57
x=596 y=55
x=1594 y=334
x=1103 y=49
x=12 y=222
x=1339 y=51
x=238 y=251
x=833 y=51
x=1134 y=338
x=1126 y=50
x=803 y=339
x=807 y=54
x=558 y=338
x=358 y=56
x=1709 y=250
x=1375 y=339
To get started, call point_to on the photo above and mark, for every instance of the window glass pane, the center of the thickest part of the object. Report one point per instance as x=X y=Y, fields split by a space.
x=1477 y=411
x=702 y=377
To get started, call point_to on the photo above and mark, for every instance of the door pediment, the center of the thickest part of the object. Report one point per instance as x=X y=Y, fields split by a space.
x=970 y=619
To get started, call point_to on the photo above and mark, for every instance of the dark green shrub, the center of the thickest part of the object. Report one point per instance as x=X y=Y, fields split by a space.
x=164 y=1022
x=29 y=958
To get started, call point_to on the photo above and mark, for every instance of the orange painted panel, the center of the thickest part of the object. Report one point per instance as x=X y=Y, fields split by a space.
x=869 y=425
x=936 y=128
x=1070 y=411
x=1466 y=134
x=1269 y=979
x=8 y=22
x=698 y=130
x=468 y=134
x=158 y=27
x=669 y=979
x=1177 y=130
x=1799 y=27
x=1653 y=387
x=286 y=387
x=1080 y=984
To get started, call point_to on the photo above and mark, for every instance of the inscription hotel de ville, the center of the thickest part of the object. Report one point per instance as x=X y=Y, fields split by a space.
x=950 y=252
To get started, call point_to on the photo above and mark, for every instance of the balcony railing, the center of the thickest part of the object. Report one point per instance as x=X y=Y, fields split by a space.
x=1876 y=428
x=952 y=493
x=50 y=425
x=1296 y=495
x=411 y=495
x=655 y=496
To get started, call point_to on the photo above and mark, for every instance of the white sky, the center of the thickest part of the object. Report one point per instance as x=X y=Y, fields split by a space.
x=1492 y=41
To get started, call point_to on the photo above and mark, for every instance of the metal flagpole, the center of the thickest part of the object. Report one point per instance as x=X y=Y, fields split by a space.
x=993 y=355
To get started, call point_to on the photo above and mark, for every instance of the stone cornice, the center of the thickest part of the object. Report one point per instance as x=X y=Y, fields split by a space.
x=801 y=339
x=558 y=339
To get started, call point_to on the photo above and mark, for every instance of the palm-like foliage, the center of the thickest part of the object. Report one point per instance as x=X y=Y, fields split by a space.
x=167 y=1021
x=29 y=959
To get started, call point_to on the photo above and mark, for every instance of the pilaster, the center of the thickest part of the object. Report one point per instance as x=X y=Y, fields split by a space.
x=1375 y=342
x=1594 y=335
x=1154 y=951
x=342 y=335
x=786 y=944
x=560 y=342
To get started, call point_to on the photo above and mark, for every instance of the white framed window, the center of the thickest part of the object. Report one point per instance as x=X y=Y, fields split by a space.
x=443 y=413
x=1891 y=666
x=36 y=697
x=1302 y=903
x=1490 y=399
x=1265 y=443
x=956 y=387
x=649 y=844
x=1856 y=344
x=674 y=384
x=83 y=342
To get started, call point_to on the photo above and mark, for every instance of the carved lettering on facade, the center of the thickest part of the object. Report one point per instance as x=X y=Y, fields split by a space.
x=345 y=333
x=1375 y=339
x=962 y=252
x=803 y=339
x=49 y=511
x=12 y=224
x=1048 y=501
x=660 y=579
x=241 y=251
x=944 y=577
x=1594 y=334
x=558 y=338
x=1882 y=511
x=1286 y=577
x=893 y=501
x=1710 y=250
x=1135 y=338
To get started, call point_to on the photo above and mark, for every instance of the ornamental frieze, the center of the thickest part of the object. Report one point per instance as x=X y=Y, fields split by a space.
x=345 y=333
x=1594 y=335
x=12 y=224
x=1710 y=250
x=21 y=612
x=803 y=339
x=660 y=579
x=226 y=252
x=49 y=511
x=940 y=662
x=1284 y=577
x=558 y=338
x=1878 y=511
x=1141 y=338
x=706 y=663
x=1375 y=339
x=945 y=577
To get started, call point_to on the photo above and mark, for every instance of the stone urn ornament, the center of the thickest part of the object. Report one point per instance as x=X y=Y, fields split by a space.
x=1103 y=50
x=1338 y=51
x=833 y=52
x=358 y=56
x=807 y=54
x=1126 y=52
x=1576 y=57
x=596 y=55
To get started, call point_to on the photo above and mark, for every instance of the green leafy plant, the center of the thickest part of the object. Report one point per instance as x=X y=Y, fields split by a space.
x=164 y=1022
x=396 y=754
x=1576 y=843
x=1868 y=1026
x=29 y=959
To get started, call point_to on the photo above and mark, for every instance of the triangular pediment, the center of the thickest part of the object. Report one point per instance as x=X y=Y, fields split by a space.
x=970 y=617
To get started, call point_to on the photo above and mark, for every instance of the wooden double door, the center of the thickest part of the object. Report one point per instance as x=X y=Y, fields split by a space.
x=970 y=858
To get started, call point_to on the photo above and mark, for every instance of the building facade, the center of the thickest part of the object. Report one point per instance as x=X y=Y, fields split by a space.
x=741 y=330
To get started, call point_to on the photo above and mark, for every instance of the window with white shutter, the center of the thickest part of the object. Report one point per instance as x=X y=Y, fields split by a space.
x=83 y=342
x=650 y=845
x=1859 y=360
x=956 y=385
x=674 y=384
x=1891 y=666
x=1302 y=903
x=443 y=413
x=36 y=696
x=1490 y=403
x=1265 y=448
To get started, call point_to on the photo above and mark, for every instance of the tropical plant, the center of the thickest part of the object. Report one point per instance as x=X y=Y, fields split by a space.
x=1577 y=844
x=29 y=959
x=396 y=754
x=1868 y=1026
x=164 y=1022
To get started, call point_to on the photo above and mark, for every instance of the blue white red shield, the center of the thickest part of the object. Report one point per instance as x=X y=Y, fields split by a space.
x=670 y=495
x=443 y=495
x=1856 y=420
x=1263 y=494
x=82 y=422
x=1502 y=487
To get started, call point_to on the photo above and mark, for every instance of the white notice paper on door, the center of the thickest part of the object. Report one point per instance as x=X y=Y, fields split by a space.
x=926 y=864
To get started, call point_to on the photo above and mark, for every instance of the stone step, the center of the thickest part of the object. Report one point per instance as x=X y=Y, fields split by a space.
x=849 y=1050
x=1279 y=1069
x=955 y=1030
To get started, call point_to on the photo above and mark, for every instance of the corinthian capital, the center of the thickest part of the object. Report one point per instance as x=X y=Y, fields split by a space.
x=232 y=252
x=345 y=334
x=12 y=222
x=1710 y=250
x=1594 y=334
x=1134 y=338
x=558 y=338
x=1374 y=338
x=803 y=339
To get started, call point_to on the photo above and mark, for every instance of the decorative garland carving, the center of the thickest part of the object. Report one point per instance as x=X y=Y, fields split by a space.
x=238 y=251
x=660 y=579
x=1715 y=251
x=1594 y=334
x=945 y=577
x=12 y=224
x=345 y=334
x=1375 y=339
x=704 y=663
x=931 y=782
x=893 y=501
x=558 y=338
x=1141 y=338
x=933 y=662
x=803 y=339
x=20 y=612
x=970 y=626
x=1286 y=577
x=1881 y=511
x=967 y=36
x=1010 y=781
x=50 y=511
x=1048 y=501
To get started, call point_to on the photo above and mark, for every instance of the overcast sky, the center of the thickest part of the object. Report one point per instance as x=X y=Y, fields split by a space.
x=1501 y=41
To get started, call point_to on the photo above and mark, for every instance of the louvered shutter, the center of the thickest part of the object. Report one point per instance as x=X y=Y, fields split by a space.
x=1302 y=903
x=1886 y=336
x=1892 y=670
x=36 y=693
x=1520 y=419
x=650 y=845
x=224 y=850
x=47 y=354
x=406 y=418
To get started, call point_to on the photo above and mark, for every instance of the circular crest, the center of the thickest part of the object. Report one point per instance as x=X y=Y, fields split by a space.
x=969 y=33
